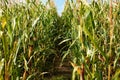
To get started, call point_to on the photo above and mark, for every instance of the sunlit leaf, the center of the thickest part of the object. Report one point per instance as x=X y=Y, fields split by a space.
x=25 y=64
x=3 y=22
x=1 y=66
x=1 y=33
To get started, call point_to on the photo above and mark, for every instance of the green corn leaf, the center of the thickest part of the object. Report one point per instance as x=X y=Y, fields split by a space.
x=25 y=64
x=88 y=33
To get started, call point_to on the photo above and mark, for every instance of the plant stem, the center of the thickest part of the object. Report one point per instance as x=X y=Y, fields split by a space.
x=111 y=38
x=109 y=71
x=82 y=73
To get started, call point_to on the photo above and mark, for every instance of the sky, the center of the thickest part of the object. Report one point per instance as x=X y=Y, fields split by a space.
x=59 y=4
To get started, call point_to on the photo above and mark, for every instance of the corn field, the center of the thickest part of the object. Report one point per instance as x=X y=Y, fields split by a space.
x=33 y=36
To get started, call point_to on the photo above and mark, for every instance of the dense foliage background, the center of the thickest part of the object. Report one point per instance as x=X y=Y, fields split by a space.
x=34 y=39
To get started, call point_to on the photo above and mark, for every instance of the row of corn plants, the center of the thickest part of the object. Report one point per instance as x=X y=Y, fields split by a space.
x=32 y=35
x=93 y=39
x=28 y=36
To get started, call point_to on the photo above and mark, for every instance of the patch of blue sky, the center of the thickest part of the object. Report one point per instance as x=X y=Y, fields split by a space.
x=59 y=5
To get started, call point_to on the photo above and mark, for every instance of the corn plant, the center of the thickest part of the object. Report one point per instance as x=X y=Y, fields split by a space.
x=93 y=34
